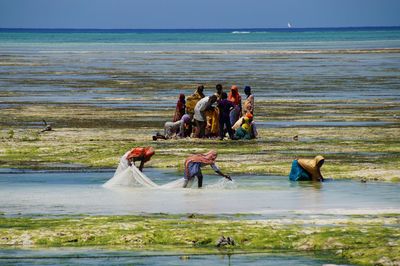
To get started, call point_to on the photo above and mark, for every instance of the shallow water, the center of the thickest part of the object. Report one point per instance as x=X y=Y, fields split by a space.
x=104 y=257
x=77 y=67
x=280 y=124
x=64 y=193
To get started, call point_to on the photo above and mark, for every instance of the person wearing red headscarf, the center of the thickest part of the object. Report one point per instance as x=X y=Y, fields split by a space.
x=193 y=166
x=142 y=154
x=236 y=99
x=180 y=108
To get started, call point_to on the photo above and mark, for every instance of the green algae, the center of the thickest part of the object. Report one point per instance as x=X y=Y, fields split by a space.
x=352 y=240
x=95 y=137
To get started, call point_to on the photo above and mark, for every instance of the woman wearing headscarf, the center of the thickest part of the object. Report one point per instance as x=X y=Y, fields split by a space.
x=193 y=166
x=307 y=169
x=180 y=108
x=236 y=99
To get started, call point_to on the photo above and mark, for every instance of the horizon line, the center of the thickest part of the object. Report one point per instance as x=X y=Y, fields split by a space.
x=228 y=28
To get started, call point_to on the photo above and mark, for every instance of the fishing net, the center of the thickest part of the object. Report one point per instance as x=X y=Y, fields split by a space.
x=130 y=176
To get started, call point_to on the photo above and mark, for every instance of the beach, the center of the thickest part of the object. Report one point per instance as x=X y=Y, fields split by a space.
x=106 y=91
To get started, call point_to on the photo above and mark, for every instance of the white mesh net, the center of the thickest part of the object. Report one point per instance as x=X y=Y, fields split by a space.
x=131 y=176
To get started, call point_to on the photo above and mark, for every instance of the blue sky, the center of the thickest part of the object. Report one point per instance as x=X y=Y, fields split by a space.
x=158 y=14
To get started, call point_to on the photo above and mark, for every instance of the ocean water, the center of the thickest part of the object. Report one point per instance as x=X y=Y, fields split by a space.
x=79 y=256
x=65 y=193
x=125 y=68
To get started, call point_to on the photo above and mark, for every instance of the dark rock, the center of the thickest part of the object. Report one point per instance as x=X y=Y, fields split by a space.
x=228 y=241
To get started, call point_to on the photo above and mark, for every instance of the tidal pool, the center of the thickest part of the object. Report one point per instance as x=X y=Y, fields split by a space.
x=66 y=193
x=279 y=124
x=103 y=257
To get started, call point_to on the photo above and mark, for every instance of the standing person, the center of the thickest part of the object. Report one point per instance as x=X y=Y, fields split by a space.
x=199 y=114
x=219 y=91
x=180 y=108
x=193 y=166
x=142 y=154
x=192 y=100
x=212 y=122
x=249 y=102
x=225 y=108
x=236 y=99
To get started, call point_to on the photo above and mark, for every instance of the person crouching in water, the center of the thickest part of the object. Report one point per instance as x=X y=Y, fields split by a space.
x=307 y=170
x=141 y=154
x=181 y=129
x=193 y=166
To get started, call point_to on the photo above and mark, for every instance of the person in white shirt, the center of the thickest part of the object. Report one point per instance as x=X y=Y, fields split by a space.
x=199 y=114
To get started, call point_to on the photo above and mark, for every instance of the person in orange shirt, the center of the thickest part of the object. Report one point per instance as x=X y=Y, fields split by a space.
x=142 y=154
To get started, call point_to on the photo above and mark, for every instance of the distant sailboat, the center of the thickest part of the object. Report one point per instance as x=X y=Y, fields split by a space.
x=289 y=25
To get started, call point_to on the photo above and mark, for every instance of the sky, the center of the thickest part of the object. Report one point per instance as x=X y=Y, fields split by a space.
x=194 y=14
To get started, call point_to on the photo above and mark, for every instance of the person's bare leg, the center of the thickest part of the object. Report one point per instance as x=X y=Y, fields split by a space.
x=200 y=180
x=185 y=183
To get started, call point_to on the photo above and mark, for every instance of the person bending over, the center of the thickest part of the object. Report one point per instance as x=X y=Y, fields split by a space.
x=199 y=114
x=180 y=129
x=307 y=170
x=141 y=154
x=193 y=166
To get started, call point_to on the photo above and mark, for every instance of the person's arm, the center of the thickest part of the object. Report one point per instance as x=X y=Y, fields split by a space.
x=141 y=158
x=141 y=165
x=208 y=106
x=321 y=177
x=231 y=106
x=216 y=169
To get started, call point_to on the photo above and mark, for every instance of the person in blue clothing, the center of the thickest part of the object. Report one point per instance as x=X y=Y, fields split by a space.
x=193 y=166
x=225 y=107
x=307 y=170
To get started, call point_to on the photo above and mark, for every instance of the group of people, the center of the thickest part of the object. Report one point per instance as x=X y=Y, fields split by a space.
x=213 y=116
